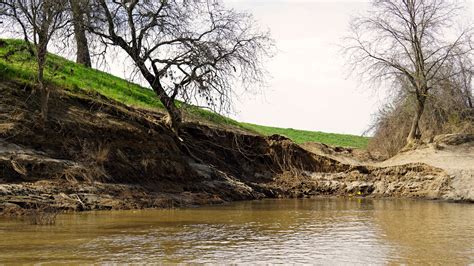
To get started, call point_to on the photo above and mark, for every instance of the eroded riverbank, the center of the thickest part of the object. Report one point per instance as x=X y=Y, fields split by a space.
x=97 y=154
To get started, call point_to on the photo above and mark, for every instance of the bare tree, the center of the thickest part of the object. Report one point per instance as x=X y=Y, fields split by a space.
x=465 y=81
x=39 y=20
x=80 y=9
x=9 y=15
x=187 y=50
x=405 y=39
x=447 y=110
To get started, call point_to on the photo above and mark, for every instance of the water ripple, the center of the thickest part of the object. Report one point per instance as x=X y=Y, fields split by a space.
x=327 y=231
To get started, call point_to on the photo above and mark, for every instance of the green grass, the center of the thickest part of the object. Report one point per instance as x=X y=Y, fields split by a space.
x=20 y=66
x=302 y=136
x=69 y=75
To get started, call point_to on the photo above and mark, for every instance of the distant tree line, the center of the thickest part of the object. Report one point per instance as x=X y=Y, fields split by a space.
x=423 y=51
x=188 y=50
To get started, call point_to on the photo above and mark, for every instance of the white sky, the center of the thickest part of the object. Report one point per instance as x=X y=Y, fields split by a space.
x=309 y=88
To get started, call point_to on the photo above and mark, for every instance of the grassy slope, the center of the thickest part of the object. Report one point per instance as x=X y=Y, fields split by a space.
x=64 y=73
x=302 y=136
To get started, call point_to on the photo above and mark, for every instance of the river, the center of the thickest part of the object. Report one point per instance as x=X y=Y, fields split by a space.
x=324 y=231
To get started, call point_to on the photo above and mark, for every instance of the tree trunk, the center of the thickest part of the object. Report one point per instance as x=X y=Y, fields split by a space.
x=415 y=133
x=175 y=117
x=44 y=103
x=41 y=57
x=469 y=99
x=82 y=56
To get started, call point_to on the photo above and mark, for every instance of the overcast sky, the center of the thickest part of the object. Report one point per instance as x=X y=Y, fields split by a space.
x=309 y=86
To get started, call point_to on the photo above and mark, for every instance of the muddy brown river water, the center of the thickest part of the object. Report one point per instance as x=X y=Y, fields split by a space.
x=324 y=231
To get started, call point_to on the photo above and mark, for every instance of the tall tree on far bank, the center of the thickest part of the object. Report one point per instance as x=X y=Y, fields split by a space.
x=39 y=21
x=406 y=40
x=186 y=50
x=466 y=80
x=79 y=10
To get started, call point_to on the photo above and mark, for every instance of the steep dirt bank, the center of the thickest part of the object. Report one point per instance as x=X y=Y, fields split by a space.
x=454 y=154
x=94 y=153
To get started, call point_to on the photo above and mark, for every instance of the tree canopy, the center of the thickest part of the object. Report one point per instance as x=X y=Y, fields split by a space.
x=188 y=50
x=409 y=42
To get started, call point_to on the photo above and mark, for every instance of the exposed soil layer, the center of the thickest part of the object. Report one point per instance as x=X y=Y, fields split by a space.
x=94 y=153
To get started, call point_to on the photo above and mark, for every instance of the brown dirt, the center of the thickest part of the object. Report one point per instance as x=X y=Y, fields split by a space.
x=454 y=153
x=94 y=153
x=344 y=155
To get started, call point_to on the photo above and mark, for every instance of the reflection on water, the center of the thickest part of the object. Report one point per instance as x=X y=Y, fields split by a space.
x=280 y=231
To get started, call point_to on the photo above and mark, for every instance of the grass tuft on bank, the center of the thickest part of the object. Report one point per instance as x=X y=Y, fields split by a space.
x=17 y=64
